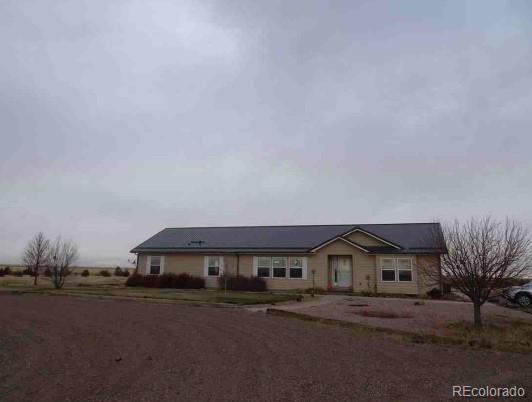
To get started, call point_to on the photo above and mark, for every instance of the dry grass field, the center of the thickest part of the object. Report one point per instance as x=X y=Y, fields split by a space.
x=75 y=270
x=99 y=287
x=10 y=281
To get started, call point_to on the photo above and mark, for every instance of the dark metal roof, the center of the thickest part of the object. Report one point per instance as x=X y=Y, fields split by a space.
x=409 y=237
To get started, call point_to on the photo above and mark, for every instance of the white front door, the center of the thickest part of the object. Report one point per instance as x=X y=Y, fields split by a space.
x=341 y=271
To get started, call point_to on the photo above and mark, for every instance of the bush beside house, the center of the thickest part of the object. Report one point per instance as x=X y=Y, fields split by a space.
x=250 y=284
x=181 y=281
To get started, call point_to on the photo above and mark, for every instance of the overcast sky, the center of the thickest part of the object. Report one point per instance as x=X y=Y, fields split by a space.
x=119 y=118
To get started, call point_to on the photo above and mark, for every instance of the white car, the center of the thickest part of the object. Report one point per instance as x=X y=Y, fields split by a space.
x=521 y=295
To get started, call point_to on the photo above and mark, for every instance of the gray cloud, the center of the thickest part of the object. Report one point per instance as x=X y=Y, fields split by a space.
x=120 y=118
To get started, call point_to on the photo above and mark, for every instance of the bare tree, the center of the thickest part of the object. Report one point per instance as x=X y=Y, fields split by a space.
x=61 y=257
x=35 y=256
x=481 y=254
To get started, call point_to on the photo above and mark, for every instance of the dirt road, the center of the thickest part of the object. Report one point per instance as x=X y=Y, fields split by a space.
x=69 y=349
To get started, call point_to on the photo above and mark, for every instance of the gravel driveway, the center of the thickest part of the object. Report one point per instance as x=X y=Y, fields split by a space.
x=69 y=349
x=430 y=317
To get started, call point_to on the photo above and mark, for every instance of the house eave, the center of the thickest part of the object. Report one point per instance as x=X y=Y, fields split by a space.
x=222 y=250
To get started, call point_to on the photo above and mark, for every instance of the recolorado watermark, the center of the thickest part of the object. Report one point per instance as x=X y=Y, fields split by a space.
x=468 y=391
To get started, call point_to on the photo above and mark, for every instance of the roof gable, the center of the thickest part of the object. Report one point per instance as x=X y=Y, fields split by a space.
x=365 y=238
x=342 y=239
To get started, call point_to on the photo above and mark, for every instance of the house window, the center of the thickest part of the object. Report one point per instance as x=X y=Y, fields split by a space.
x=155 y=265
x=404 y=269
x=213 y=266
x=396 y=269
x=388 y=270
x=264 y=265
x=296 y=267
x=279 y=267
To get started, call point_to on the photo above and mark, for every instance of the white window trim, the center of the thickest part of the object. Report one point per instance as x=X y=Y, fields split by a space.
x=206 y=266
x=148 y=264
x=397 y=269
x=287 y=276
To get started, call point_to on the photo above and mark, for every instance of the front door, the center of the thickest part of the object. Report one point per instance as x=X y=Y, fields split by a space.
x=341 y=271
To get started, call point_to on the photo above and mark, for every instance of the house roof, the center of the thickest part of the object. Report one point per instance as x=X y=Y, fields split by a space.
x=401 y=238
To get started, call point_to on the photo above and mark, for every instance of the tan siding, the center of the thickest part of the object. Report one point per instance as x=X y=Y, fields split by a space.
x=246 y=265
x=364 y=239
x=183 y=263
x=364 y=265
x=364 y=272
x=141 y=264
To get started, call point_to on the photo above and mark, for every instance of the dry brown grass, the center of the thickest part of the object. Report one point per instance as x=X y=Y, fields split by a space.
x=514 y=336
x=504 y=335
x=10 y=281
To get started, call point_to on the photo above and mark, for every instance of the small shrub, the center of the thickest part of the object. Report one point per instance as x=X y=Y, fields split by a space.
x=118 y=271
x=16 y=273
x=173 y=281
x=47 y=272
x=2 y=272
x=125 y=273
x=27 y=271
x=195 y=282
x=186 y=281
x=150 y=281
x=85 y=272
x=7 y=270
x=166 y=281
x=105 y=273
x=435 y=293
x=249 y=284
x=134 y=280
